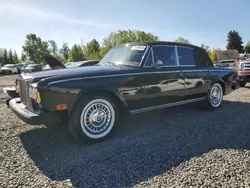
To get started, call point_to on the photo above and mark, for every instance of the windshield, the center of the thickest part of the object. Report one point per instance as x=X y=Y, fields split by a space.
x=127 y=55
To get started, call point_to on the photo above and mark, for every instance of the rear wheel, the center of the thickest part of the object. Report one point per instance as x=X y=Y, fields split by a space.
x=215 y=97
x=242 y=84
x=94 y=118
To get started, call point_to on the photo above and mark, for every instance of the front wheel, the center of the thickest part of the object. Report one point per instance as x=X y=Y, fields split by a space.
x=215 y=97
x=94 y=118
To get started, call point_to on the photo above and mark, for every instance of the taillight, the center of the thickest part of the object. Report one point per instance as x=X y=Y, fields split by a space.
x=238 y=66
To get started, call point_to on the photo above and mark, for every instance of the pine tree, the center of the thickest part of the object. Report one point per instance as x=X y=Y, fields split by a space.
x=15 y=57
x=235 y=41
x=247 y=48
x=23 y=57
x=10 y=58
x=5 y=57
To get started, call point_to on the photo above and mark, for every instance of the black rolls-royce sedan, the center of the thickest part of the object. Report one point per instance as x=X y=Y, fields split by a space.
x=131 y=78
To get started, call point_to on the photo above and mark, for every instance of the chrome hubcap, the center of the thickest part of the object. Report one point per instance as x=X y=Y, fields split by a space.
x=97 y=118
x=216 y=95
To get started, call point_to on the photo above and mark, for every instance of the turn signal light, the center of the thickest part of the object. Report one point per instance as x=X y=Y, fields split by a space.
x=61 y=107
x=38 y=98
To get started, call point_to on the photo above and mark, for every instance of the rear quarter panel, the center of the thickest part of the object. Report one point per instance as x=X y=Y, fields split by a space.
x=227 y=76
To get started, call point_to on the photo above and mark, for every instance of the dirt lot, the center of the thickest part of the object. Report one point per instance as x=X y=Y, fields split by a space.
x=7 y=80
x=177 y=147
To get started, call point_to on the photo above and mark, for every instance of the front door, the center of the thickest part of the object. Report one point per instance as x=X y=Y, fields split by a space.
x=165 y=83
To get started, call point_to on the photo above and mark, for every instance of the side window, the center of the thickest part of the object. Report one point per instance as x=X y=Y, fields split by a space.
x=186 y=56
x=149 y=61
x=166 y=54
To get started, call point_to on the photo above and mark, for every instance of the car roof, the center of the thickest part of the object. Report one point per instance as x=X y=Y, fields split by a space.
x=151 y=43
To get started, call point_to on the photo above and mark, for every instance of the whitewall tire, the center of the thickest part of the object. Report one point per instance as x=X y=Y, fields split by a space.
x=93 y=118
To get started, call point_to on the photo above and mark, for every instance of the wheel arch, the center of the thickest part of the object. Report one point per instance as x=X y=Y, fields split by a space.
x=222 y=85
x=221 y=82
x=110 y=92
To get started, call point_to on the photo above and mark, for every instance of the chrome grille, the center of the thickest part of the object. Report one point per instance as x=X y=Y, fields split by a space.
x=246 y=66
x=24 y=90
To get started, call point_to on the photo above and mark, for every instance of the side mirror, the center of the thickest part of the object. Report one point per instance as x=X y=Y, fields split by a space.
x=159 y=63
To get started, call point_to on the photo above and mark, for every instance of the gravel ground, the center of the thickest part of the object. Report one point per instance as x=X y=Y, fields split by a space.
x=177 y=147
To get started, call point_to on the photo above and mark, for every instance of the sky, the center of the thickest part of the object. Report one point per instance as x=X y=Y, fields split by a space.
x=77 y=21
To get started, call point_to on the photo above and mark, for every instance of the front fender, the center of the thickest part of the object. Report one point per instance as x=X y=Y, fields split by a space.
x=108 y=89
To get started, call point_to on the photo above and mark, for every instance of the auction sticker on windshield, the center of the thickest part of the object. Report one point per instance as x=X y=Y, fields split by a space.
x=141 y=48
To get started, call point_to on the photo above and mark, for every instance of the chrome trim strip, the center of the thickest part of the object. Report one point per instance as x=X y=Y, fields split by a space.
x=177 y=56
x=114 y=75
x=149 y=53
x=152 y=54
x=132 y=112
x=195 y=70
x=143 y=57
x=130 y=74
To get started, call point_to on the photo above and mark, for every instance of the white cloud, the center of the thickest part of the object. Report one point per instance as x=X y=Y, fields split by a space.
x=35 y=12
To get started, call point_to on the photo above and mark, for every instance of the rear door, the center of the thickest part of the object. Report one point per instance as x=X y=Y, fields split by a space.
x=196 y=77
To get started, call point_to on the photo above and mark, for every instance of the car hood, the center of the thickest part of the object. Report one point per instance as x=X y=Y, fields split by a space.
x=86 y=71
x=52 y=61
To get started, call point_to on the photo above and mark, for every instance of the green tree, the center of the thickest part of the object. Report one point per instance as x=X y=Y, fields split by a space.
x=15 y=58
x=213 y=56
x=5 y=57
x=34 y=46
x=207 y=48
x=10 y=57
x=64 y=51
x=92 y=50
x=1 y=56
x=125 y=36
x=23 y=57
x=76 y=53
x=235 y=41
x=61 y=58
x=53 y=47
x=182 y=40
x=247 y=47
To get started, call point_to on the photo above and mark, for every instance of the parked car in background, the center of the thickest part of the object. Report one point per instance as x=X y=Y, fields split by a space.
x=242 y=66
x=225 y=63
x=52 y=63
x=68 y=63
x=46 y=67
x=130 y=79
x=23 y=64
x=32 y=68
x=9 y=69
x=82 y=63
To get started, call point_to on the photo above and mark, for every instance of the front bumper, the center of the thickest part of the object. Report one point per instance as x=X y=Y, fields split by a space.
x=244 y=75
x=245 y=78
x=25 y=114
